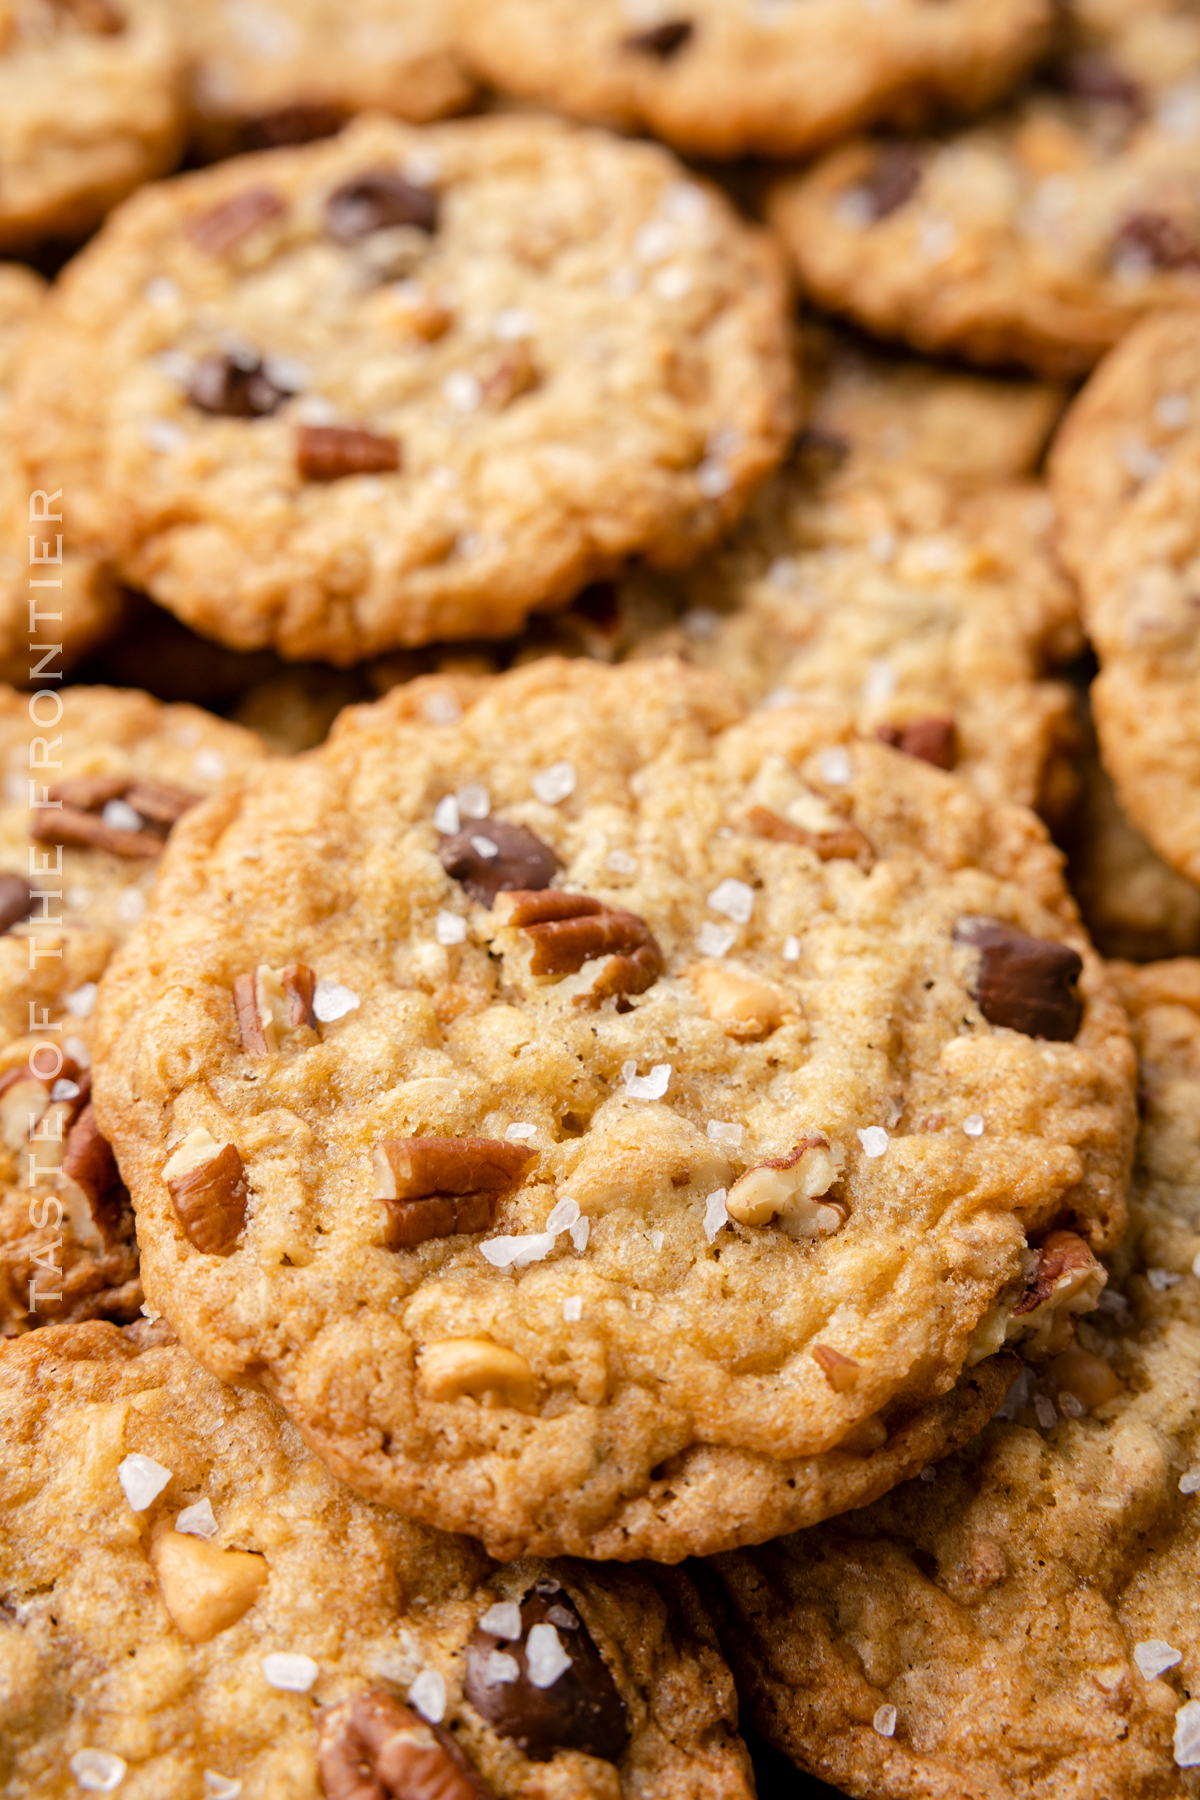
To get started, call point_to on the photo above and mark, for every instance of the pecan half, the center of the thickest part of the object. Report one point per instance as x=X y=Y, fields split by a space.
x=16 y=901
x=1065 y=1279
x=1026 y=983
x=495 y=857
x=789 y=1189
x=329 y=452
x=235 y=387
x=663 y=41
x=435 y=1187
x=78 y=819
x=841 y=1372
x=579 y=1709
x=929 y=740
x=272 y=1001
x=207 y=1183
x=845 y=842
x=100 y=17
x=371 y=1747
x=570 y=929
x=88 y=1161
x=224 y=227
x=894 y=178
x=159 y=802
x=302 y=123
x=374 y=202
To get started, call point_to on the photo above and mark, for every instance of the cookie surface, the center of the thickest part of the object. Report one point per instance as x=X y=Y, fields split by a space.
x=191 y=1602
x=725 y=79
x=410 y=383
x=90 y=106
x=1038 y=237
x=481 y=1335
x=66 y=1245
x=1024 y=1623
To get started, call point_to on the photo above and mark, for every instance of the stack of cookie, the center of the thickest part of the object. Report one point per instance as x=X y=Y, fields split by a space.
x=572 y=1156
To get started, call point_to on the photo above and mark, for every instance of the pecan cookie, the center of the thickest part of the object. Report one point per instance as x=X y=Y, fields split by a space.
x=70 y=618
x=74 y=876
x=192 y=1606
x=528 y=1087
x=410 y=383
x=724 y=78
x=1024 y=1623
x=292 y=70
x=91 y=105
x=1038 y=236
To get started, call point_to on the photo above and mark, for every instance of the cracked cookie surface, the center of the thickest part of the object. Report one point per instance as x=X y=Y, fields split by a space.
x=528 y=1086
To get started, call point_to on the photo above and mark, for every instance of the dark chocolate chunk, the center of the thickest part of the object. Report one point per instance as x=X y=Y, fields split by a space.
x=328 y=452
x=235 y=387
x=664 y=41
x=16 y=901
x=521 y=860
x=894 y=178
x=1089 y=75
x=580 y=1710
x=299 y=124
x=1159 y=240
x=929 y=740
x=376 y=201
x=1027 y=983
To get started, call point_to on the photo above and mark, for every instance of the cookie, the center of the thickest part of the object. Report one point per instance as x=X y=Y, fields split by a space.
x=87 y=605
x=293 y=70
x=724 y=79
x=492 y=1087
x=85 y=861
x=1039 y=236
x=1024 y=1622
x=91 y=105
x=410 y=384
x=192 y=1606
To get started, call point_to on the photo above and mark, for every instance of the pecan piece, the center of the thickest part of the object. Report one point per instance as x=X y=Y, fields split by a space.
x=272 y=1001
x=570 y=929
x=788 y=1189
x=929 y=740
x=235 y=387
x=844 y=842
x=79 y=816
x=435 y=1187
x=70 y=825
x=376 y=201
x=100 y=17
x=302 y=123
x=159 y=802
x=222 y=228
x=16 y=901
x=663 y=41
x=371 y=1747
x=89 y=1163
x=894 y=178
x=207 y=1183
x=841 y=1372
x=495 y=857
x=578 y=1708
x=1064 y=1279
x=329 y=452
x=1024 y=982
x=744 y=1008
x=1158 y=239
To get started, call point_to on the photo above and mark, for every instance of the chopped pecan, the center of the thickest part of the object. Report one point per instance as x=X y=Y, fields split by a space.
x=207 y=1182
x=100 y=17
x=69 y=825
x=507 y=377
x=377 y=201
x=844 y=843
x=88 y=1161
x=663 y=41
x=329 y=452
x=302 y=123
x=271 y=1001
x=1065 y=1279
x=496 y=857
x=789 y=1188
x=841 y=1372
x=1026 y=983
x=159 y=802
x=571 y=929
x=1158 y=239
x=16 y=901
x=224 y=227
x=929 y=740
x=78 y=819
x=580 y=1709
x=235 y=387
x=371 y=1747
x=435 y=1187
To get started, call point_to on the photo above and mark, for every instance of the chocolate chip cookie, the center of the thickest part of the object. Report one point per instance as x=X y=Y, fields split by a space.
x=192 y=1606
x=1038 y=236
x=600 y=1120
x=1024 y=1622
x=410 y=383
x=91 y=105
x=724 y=78
x=106 y=784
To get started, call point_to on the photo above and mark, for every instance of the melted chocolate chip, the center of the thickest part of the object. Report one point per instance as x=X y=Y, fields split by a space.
x=521 y=860
x=664 y=41
x=235 y=388
x=1027 y=983
x=580 y=1710
x=376 y=201
x=894 y=178
x=16 y=901
x=929 y=740
x=1159 y=240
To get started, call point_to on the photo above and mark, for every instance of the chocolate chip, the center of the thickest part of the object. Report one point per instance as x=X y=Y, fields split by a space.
x=929 y=740
x=328 y=452
x=521 y=860
x=223 y=227
x=1026 y=983
x=1157 y=239
x=895 y=177
x=291 y=125
x=580 y=1710
x=375 y=201
x=663 y=41
x=1090 y=76
x=235 y=388
x=16 y=901
x=813 y=443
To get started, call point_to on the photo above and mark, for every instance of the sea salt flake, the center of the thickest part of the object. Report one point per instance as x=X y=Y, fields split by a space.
x=545 y=1658
x=1187 y=1735
x=131 y=905
x=928 y=1475
x=937 y=239
x=564 y=1214
x=81 y=1000
x=715 y=1213
x=64 y=1089
x=881 y=546
x=97 y=1771
x=719 y=1131
x=441 y=709
x=879 y=683
x=332 y=1001
x=646 y=1087
x=449 y=927
x=316 y=409
x=428 y=1695
x=673 y=283
x=499 y=1668
x=1196 y=1264
x=503 y=1620
x=221 y=1787
x=657 y=1240
x=572 y=1309
x=655 y=242
x=79 y=899
x=973 y=1124
x=874 y=1140
x=716 y=940
x=835 y=767
x=884 y=1721
x=713 y=479
x=1044 y=1409
x=289 y=1671
x=555 y=783
x=163 y=435
x=780 y=698
x=791 y=949
x=700 y=622
x=517 y=1252
x=210 y=765
x=474 y=800
x=1162 y=1279
x=1113 y=1301
x=462 y=390
x=1172 y=411
x=1154 y=1657
x=621 y=862
x=512 y=323
x=1070 y=1405
x=484 y=847
x=142 y=1480
x=733 y=898
x=514 y=1132
x=1189 y=1483
x=579 y=1235
x=77 y=1050
x=854 y=208
x=161 y=291
x=1138 y=459
x=445 y=816
x=197 y=1520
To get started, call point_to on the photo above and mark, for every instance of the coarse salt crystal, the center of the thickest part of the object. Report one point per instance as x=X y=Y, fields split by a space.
x=791 y=949
x=646 y=1087
x=131 y=905
x=700 y=622
x=1187 y=1735
x=1045 y=1411
x=884 y=1721
x=485 y=847
x=937 y=239
x=657 y=1240
x=210 y=765
x=1162 y=1279
x=1112 y=1301
x=462 y=391
x=514 y=1132
x=673 y=283
x=655 y=242
x=716 y=940
x=500 y=1668
x=1070 y=1405
x=441 y=709
x=332 y=1001
x=316 y=409
x=572 y=1309
x=142 y=1480
x=719 y=1131
x=1196 y=1264
x=779 y=698
x=874 y=1140
x=1138 y=459
x=621 y=862
x=1172 y=411
x=64 y=1089
x=289 y=1671
x=511 y=1252
x=79 y=898
x=474 y=800
x=97 y=1771
x=150 y=1312
x=221 y=1787
x=879 y=683
x=160 y=290
x=449 y=927
x=733 y=898
x=77 y=1050
x=545 y=1658
x=197 y=1520
x=928 y=1475
x=1189 y=1483
x=716 y=1213
x=713 y=479
x=973 y=1124
x=555 y=783
x=502 y=1620
x=512 y=323
x=579 y=1235
x=163 y=435
x=428 y=1695
x=854 y=208
x=1154 y=1657
x=881 y=546
x=118 y=815
x=835 y=767
x=80 y=1002
x=564 y=1214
